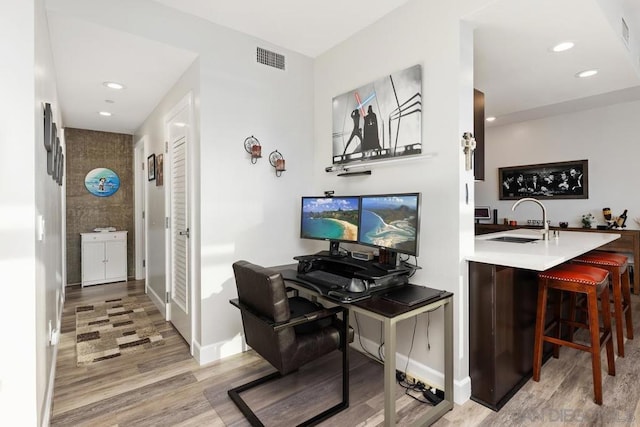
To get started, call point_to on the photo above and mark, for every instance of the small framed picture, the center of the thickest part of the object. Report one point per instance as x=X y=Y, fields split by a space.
x=159 y=170
x=48 y=121
x=151 y=167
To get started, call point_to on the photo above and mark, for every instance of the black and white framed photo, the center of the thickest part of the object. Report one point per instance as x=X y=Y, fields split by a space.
x=159 y=170
x=52 y=150
x=57 y=173
x=48 y=121
x=561 y=180
x=151 y=167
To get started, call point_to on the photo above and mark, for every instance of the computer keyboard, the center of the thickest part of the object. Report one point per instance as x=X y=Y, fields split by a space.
x=325 y=279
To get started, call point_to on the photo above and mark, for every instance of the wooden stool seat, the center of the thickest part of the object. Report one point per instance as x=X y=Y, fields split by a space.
x=616 y=265
x=593 y=283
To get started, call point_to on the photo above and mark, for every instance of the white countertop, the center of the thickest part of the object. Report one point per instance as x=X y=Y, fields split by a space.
x=538 y=255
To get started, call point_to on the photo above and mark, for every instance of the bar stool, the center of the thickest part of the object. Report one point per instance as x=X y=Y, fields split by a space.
x=616 y=265
x=583 y=279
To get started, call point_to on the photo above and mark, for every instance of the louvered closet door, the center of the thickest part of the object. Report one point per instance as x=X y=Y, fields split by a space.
x=179 y=239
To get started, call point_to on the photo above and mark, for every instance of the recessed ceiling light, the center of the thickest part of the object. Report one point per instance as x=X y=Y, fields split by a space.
x=587 y=73
x=490 y=119
x=105 y=113
x=114 y=85
x=180 y=124
x=561 y=47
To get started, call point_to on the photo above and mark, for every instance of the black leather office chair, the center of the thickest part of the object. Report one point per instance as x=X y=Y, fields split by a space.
x=287 y=332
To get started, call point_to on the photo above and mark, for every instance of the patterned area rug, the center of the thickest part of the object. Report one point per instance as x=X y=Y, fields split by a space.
x=113 y=328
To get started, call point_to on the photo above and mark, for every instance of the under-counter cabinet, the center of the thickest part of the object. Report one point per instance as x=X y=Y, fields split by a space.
x=502 y=320
x=104 y=257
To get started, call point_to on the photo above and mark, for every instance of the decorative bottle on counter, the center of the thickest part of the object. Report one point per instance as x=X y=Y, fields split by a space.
x=622 y=219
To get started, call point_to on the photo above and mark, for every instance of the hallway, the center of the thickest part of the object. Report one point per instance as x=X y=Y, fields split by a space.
x=136 y=389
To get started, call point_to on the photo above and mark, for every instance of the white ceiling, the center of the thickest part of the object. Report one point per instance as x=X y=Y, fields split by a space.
x=298 y=25
x=86 y=55
x=523 y=79
x=520 y=78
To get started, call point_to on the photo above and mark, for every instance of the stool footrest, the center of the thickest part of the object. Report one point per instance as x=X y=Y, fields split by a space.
x=566 y=343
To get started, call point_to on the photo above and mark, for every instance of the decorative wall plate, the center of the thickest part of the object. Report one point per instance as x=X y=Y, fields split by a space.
x=102 y=182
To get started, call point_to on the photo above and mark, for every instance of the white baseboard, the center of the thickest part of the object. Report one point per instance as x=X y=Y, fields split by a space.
x=461 y=388
x=48 y=398
x=158 y=301
x=217 y=351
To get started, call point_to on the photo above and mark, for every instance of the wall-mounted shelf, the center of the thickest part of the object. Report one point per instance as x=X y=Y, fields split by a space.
x=343 y=169
x=367 y=172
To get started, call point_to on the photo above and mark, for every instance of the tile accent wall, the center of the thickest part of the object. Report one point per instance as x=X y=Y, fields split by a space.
x=86 y=150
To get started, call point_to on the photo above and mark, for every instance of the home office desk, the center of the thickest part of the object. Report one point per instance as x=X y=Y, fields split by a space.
x=390 y=313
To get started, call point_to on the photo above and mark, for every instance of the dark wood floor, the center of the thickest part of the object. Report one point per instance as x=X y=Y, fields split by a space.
x=165 y=386
x=564 y=395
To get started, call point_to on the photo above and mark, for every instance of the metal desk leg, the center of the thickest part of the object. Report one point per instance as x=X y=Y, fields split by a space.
x=390 y=373
x=446 y=405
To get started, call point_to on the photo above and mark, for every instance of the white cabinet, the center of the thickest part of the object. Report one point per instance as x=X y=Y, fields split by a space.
x=104 y=257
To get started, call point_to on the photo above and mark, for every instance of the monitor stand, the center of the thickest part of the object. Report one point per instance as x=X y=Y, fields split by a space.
x=334 y=249
x=333 y=252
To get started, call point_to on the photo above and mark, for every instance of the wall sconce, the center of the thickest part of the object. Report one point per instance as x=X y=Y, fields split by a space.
x=252 y=146
x=277 y=161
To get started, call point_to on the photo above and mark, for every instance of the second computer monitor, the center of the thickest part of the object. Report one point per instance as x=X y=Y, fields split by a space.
x=390 y=221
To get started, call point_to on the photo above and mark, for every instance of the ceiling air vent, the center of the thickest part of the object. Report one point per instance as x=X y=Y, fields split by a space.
x=269 y=58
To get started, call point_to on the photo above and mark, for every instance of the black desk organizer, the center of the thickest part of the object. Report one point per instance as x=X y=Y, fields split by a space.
x=379 y=278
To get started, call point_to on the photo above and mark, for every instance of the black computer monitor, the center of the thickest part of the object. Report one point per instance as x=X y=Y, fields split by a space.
x=334 y=219
x=390 y=222
x=482 y=212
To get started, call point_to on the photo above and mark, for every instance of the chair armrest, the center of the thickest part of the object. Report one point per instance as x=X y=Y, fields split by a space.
x=278 y=326
x=309 y=317
x=290 y=289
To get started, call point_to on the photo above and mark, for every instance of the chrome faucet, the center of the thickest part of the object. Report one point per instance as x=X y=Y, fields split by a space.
x=545 y=232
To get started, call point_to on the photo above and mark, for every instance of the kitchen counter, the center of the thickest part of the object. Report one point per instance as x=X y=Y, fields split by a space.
x=503 y=290
x=537 y=255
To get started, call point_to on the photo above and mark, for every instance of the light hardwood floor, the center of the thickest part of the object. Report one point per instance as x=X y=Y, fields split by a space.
x=165 y=386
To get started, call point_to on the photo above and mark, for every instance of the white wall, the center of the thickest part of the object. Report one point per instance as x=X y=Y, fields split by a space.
x=153 y=129
x=246 y=212
x=606 y=136
x=33 y=267
x=50 y=203
x=428 y=33
x=615 y=11
x=18 y=394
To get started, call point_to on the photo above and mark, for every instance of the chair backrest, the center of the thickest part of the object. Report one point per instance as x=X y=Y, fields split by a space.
x=263 y=290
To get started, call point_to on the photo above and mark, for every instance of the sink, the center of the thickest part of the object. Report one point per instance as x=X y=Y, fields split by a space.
x=513 y=239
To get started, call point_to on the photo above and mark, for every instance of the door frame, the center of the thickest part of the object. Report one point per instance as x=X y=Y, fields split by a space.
x=185 y=102
x=141 y=149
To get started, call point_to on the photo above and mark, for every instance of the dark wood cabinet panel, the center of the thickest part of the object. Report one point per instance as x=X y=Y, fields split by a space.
x=502 y=319
x=502 y=315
